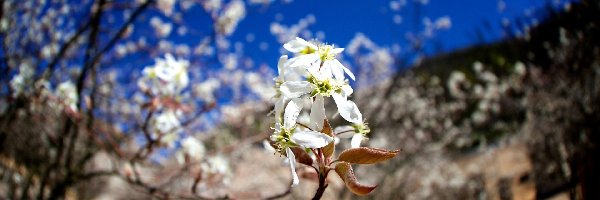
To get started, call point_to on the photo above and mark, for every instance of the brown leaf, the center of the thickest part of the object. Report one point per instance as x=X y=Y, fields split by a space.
x=344 y=170
x=302 y=156
x=366 y=155
x=330 y=148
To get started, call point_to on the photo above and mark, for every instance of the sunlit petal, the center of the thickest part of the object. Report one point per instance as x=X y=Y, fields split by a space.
x=295 y=89
x=292 y=110
x=317 y=113
x=348 y=109
x=292 y=160
x=311 y=139
x=356 y=139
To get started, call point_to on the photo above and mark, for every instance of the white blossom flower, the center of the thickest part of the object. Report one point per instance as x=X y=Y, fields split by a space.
x=162 y=29
x=320 y=60
x=233 y=13
x=166 y=127
x=339 y=90
x=217 y=166
x=205 y=90
x=20 y=81
x=286 y=135
x=285 y=73
x=191 y=147
x=67 y=93
x=167 y=77
x=166 y=6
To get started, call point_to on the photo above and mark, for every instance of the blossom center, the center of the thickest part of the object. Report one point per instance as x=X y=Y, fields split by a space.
x=362 y=129
x=324 y=87
x=283 y=139
x=307 y=50
x=325 y=52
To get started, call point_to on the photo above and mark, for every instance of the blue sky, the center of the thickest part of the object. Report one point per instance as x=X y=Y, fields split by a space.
x=340 y=20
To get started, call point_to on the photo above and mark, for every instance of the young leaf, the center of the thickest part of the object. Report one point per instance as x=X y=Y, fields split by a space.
x=330 y=148
x=366 y=155
x=302 y=156
x=344 y=170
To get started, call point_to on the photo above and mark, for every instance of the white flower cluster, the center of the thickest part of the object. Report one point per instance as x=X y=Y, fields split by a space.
x=167 y=78
x=313 y=74
x=67 y=93
x=233 y=13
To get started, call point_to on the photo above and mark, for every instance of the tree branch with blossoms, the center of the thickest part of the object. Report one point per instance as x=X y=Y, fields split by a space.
x=313 y=75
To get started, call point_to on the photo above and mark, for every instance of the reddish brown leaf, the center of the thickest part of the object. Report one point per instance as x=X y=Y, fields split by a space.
x=302 y=156
x=330 y=148
x=366 y=155
x=344 y=170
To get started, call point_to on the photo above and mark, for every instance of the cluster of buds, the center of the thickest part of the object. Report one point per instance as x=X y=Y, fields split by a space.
x=313 y=75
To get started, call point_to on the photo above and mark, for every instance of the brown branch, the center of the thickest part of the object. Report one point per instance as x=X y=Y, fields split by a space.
x=63 y=50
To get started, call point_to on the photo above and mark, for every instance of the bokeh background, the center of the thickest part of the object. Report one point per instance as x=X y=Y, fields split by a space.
x=486 y=99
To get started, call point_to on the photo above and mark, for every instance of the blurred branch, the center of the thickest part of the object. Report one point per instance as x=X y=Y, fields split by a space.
x=63 y=50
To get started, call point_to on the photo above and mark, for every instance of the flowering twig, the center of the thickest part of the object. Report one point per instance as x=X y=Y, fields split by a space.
x=313 y=75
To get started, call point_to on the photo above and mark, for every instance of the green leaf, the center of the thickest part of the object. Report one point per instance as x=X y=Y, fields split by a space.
x=344 y=170
x=366 y=155
x=330 y=148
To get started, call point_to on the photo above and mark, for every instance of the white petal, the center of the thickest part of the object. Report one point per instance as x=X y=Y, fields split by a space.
x=346 y=90
x=320 y=72
x=356 y=139
x=336 y=69
x=337 y=50
x=348 y=109
x=296 y=45
x=292 y=159
x=277 y=127
x=279 y=103
x=295 y=89
x=302 y=60
x=317 y=113
x=169 y=58
x=280 y=65
x=311 y=139
x=268 y=147
x=350 y=74
x=292 y=110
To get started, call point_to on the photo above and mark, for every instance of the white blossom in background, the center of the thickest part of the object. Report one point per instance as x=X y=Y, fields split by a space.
x=212 y=5
x=205 y=90
x=166 y=6
x=217 y=165
x=457 y=82
x=167 y=77
x=285 y=33
x=256 y=83
x=20 y=81
x=161 y=29
x=191 y=148
x=376 y=62
x=166 y=127
x=67 y=93
x=233 y=13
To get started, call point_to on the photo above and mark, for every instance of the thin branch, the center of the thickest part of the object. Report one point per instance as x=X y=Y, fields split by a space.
x=121 y=31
